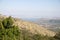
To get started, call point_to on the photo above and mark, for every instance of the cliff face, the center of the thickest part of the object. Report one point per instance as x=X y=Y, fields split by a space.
x=33 y=28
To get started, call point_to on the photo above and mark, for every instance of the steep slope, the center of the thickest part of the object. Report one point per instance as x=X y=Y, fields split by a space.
x=33 y=28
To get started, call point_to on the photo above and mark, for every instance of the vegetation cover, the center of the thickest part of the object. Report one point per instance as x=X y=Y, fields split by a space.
x=8 y=31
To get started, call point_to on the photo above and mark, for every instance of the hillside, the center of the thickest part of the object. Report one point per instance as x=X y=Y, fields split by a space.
x=32 y=27
x=51 y=24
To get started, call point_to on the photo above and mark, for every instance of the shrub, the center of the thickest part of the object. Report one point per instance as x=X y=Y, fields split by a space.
x=8 y=31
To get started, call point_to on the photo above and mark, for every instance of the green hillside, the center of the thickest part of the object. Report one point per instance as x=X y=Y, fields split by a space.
x=8 y=31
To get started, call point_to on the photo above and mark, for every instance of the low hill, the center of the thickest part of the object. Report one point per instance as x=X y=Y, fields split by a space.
x=32 y=27
x=49 y=23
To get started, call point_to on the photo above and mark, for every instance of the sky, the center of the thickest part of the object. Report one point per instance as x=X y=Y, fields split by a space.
x=30 y=8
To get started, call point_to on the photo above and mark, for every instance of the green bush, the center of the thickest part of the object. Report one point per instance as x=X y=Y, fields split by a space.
x=8 y=31
x=7 y=22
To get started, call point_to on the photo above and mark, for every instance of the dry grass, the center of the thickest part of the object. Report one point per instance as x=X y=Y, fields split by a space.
x=34 y=28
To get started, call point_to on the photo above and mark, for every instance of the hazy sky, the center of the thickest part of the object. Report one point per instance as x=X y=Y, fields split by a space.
x=30 y=8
